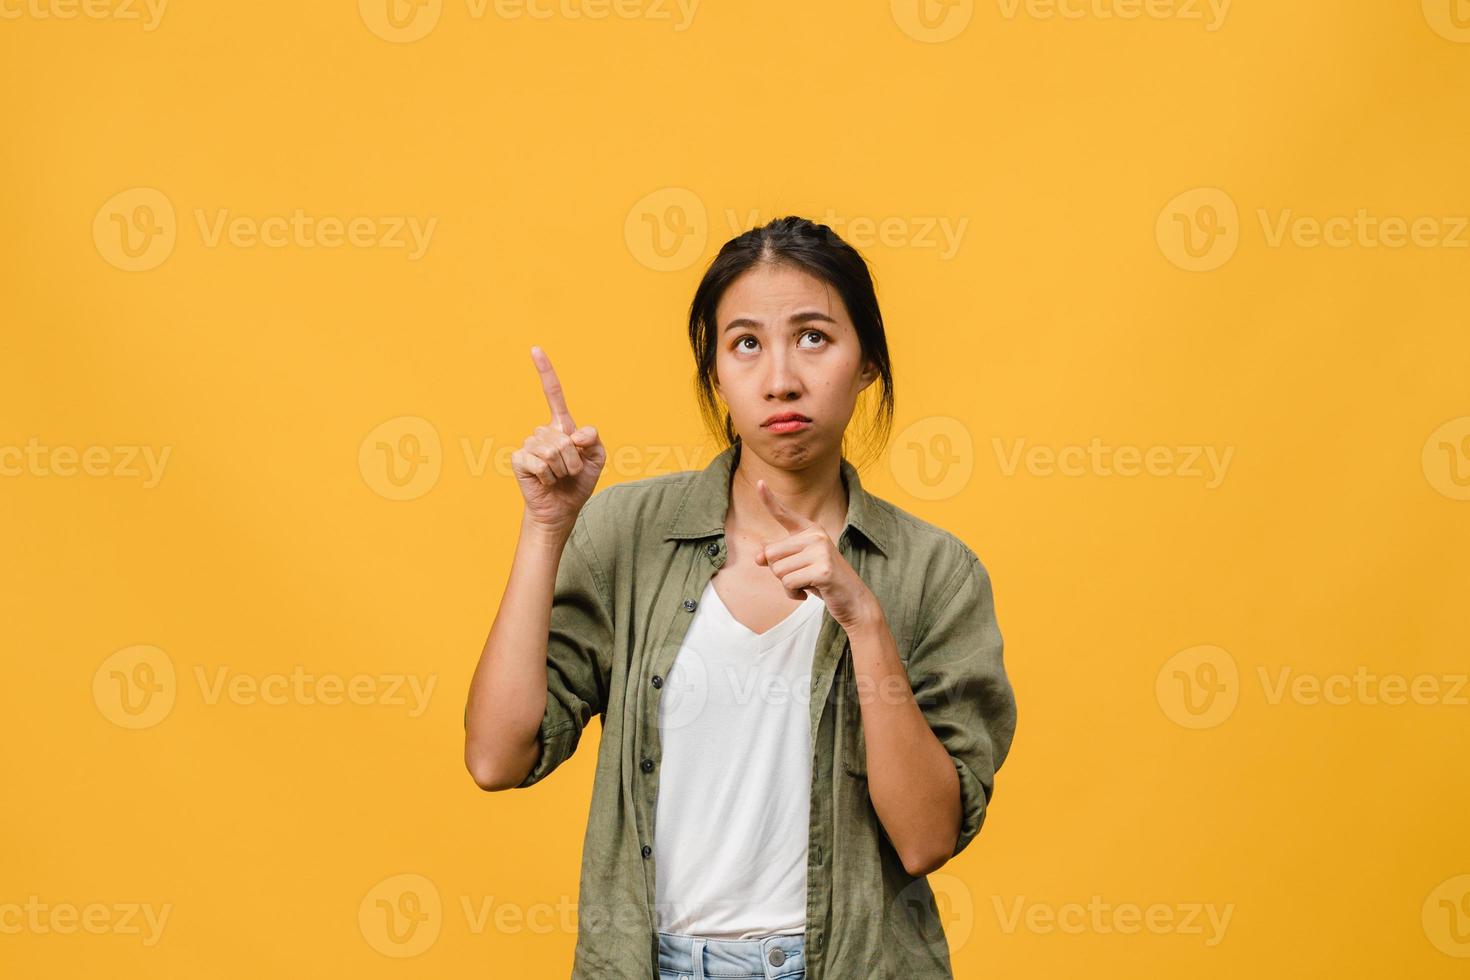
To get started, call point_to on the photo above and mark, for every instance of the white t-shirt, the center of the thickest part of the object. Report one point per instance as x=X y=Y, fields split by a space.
x=731 y=821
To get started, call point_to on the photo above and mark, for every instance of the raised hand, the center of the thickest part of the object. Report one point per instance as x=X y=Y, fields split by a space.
x=558 y=465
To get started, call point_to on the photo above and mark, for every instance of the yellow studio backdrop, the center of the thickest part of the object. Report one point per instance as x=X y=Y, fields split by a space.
x=1175 y=291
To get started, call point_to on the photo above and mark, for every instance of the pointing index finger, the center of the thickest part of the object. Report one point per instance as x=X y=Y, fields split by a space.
x=789 y=521
x=551 y=387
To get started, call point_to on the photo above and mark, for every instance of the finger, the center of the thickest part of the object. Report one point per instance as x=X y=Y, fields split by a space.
x=551 y=387
x=798 y=565
x=535 y=466
x=774 y=551
x=571 y=459
x=589 y=443
x=552 y=458
x=545 y=445
x=795 y=584
x=788 y=520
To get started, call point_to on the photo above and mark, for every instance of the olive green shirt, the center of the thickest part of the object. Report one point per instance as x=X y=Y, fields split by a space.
x=630 y=577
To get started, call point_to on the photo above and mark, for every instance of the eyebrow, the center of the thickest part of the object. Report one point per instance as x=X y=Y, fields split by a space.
x=806 y=317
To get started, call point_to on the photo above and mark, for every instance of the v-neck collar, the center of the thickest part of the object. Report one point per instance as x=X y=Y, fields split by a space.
x=764 y=641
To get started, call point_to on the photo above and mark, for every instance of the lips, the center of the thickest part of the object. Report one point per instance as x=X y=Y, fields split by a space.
x=786 y=417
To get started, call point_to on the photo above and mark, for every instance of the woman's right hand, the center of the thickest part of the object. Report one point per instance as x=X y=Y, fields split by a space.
x=558 y=465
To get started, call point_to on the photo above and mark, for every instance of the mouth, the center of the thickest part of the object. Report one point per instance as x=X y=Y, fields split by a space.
x=787 y=422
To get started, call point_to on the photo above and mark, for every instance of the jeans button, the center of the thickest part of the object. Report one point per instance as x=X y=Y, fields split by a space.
x=777 y=957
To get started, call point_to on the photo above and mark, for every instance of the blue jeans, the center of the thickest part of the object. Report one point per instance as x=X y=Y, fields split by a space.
x=696 y=958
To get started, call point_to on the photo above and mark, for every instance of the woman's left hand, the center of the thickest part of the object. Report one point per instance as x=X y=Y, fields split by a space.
x=808 y=558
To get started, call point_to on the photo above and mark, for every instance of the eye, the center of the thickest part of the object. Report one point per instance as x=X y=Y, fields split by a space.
x=819 y=335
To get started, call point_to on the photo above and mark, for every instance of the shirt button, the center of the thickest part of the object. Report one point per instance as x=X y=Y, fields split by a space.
x=777 y=957
x=689 y=605
x=712 y=549
x=647 y=765
x=657 y=681
x=647 y=850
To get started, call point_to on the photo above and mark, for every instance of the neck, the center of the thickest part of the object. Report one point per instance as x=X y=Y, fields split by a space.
x=816 y=492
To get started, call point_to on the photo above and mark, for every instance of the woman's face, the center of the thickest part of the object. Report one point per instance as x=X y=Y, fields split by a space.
x=785 y=344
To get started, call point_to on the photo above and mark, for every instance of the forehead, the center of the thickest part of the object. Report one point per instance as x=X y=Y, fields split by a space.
x=768 y=292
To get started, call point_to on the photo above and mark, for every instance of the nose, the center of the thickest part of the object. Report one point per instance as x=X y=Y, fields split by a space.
x=781 y=380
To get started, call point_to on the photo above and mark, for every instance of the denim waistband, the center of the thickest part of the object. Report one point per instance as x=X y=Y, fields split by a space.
x=765 y=958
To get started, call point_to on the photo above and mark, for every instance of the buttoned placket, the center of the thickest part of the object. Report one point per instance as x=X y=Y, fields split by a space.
x=831 y=645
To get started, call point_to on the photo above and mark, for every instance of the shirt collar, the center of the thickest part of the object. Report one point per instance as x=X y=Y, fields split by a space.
x=701 y=513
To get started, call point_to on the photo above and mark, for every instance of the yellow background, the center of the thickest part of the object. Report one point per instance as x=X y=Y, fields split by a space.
x=548 y=151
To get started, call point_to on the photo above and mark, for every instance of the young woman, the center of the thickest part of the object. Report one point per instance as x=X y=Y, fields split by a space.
x=801 y=686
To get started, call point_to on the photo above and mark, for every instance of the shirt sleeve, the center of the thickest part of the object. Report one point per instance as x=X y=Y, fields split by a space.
x=958 y=676
x=577 y=651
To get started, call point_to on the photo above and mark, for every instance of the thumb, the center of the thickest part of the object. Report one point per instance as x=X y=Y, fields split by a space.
x=585 y=436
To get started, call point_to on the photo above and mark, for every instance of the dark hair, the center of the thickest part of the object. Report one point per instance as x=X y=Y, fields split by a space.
x=820 y=251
